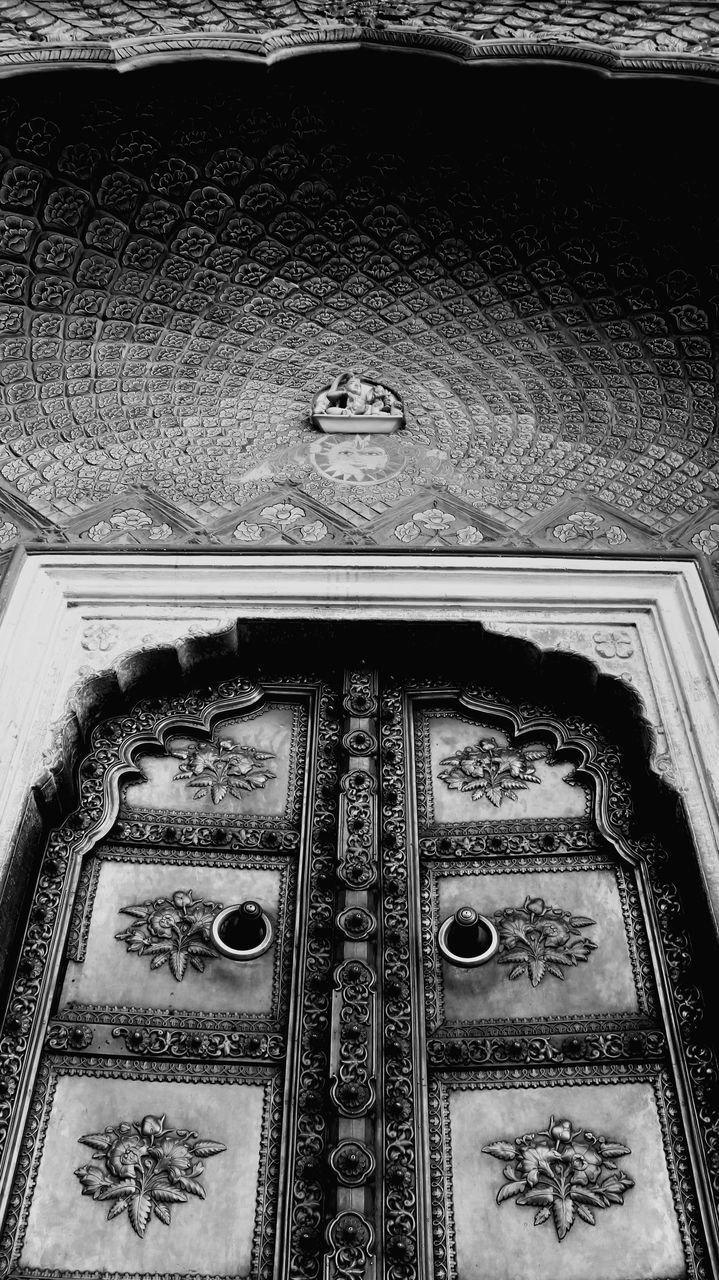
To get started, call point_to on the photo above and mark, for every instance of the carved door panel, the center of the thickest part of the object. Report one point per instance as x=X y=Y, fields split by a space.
x=158 y=1129
x=454 y=1042
x=538 y=1108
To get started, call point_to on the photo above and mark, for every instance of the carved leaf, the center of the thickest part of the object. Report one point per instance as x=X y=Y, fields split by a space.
x=537 y=970
x=612 y=1149
x=194 y=1188
x=206 y=1149
x=139 y=1208
x=581 y=922
x=502 y=1150
x=159 y=959
x=218 y=791
x=115 y=1189
x=178 y=964
x=117 y=1208
x=563 y=1210
x=141 y=912
x=554 y=969
x=494 y=795
x=541 y=1216
x=586 y=1214
x=538 y=1195
x=168 y=1195
x=517 y=973
x=98 y=1141
x=163 y=1213
x=509 y=1190
x=197 y=963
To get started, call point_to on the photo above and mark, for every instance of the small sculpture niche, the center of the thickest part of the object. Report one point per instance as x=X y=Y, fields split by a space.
x=357 y=405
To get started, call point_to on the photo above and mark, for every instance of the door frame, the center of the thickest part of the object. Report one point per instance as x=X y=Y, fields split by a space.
x=80 y=629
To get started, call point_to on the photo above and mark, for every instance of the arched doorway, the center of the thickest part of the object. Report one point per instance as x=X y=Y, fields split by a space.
x=375 y=1091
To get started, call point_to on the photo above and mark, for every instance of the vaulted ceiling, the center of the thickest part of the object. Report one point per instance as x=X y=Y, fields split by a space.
x=527 y=255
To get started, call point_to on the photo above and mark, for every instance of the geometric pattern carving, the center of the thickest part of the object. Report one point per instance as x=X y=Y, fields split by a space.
x=179 y=277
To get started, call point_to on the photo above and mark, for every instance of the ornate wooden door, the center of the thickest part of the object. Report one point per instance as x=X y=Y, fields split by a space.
x=354 y=977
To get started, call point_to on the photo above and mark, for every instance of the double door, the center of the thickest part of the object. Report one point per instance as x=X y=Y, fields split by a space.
x=352 y=977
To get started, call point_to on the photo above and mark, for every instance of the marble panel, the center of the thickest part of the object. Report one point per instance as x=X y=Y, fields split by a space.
x=274 y=731
x=111 y=977
x=68 y=1233
x=442 y=735
x=604 y=982
x=640 y=1238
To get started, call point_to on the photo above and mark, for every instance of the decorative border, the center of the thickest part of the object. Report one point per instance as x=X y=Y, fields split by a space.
x=427 y=822
x=668 y=1113
x=226 y=1020
x=398 y=1031
x=535 y=836
x=125 y=53
x=637 y=946
x=36 y=1131
x=189 y=820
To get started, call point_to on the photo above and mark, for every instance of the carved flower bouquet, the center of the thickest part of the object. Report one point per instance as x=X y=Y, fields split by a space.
x=537 y=939
x=223 y=768
x=172 y=931
x=563 y=1172
x=489 y=771
x=143 y=1168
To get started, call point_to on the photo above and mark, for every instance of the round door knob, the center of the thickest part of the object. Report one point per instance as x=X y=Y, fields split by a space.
x=242 y=931
x=467 y=939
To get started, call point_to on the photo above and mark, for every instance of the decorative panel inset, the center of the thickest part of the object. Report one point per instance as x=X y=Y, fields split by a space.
x=570 y=944
x=149 y=967
x=225 y=1232
x=562 y=1122
x=250 y=768
x=470 y=772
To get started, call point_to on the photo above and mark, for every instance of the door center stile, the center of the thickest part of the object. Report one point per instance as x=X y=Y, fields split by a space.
x=353 y=1052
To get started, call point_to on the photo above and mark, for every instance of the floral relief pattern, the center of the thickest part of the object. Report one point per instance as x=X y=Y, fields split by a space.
x=173 y=931
x=587 y=525
x=488 y=771
x=707 y=540
x=438 y=523
x=223 y=768
x=563 y=1172
x=131 y=521
x=282 y=516
x=537 y=939
x=144 y=1167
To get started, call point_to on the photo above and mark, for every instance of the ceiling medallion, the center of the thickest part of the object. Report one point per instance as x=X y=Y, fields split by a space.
x=357 y=459
x=562 y=1172
x=352 y=403
x=145 y=1168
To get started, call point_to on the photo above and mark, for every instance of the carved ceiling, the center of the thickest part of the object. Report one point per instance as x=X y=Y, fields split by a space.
x=530 y=262
x=638 y=36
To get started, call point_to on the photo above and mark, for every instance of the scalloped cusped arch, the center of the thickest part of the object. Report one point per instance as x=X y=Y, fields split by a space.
x=185 y=260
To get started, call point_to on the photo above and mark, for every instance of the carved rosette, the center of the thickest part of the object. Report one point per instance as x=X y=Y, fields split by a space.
x=353 y=1090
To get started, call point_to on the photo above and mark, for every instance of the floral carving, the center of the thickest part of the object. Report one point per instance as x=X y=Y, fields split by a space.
x=172 y=931
x=563 y=1172
x=144 y=1167
x=223 y=768
x=537 y=939
x=491 y=772
x=588 y=525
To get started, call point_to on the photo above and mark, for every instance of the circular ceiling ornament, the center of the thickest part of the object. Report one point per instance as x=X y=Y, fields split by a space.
x=358 y=459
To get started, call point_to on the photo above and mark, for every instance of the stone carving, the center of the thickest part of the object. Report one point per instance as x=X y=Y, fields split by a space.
x=351 y=396
x=537 y=939
x=144 y=1167
x=588 y=525
x=489 y=771
x=563 y=1172
x=173 y=931
x=223 y=768
x=356 y=459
